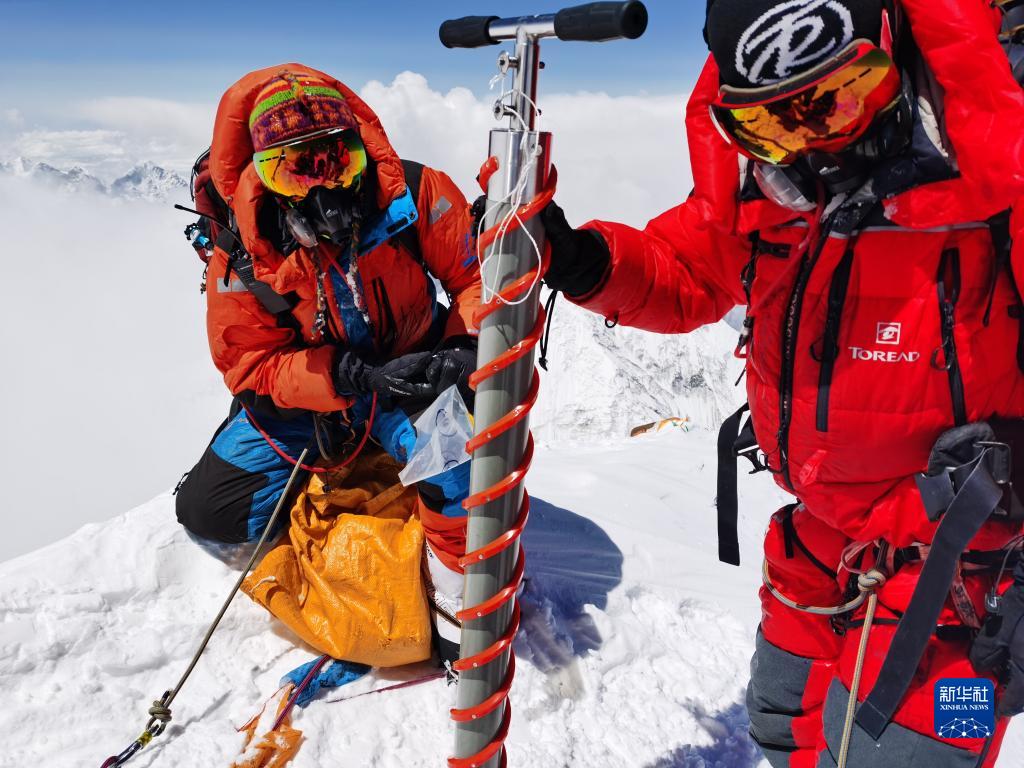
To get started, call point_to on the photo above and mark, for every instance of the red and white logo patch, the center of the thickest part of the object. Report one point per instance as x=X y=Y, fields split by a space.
x=889 y=333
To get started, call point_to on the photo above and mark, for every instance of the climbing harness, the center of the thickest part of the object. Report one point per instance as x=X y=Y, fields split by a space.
x=868 y=584
x=160 y=712
x=970 y=481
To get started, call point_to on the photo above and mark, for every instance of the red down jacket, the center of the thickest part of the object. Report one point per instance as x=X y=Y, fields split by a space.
x=257 y=355
x=860 y=426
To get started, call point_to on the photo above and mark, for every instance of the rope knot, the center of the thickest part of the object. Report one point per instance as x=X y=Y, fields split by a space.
x=160 y=710
x=870 y=581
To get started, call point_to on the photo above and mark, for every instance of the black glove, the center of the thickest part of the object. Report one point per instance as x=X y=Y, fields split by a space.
x=403 y=377
x=579 y=257
x=453 y=365
x=999 y=647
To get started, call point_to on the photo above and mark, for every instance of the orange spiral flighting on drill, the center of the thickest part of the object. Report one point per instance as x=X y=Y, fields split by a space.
x=513 y=292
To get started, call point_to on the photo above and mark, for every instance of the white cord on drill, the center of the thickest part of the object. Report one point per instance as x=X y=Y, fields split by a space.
x=515 y=200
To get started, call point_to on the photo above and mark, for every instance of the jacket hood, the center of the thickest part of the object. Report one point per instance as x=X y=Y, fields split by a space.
x=982 y=111
x=235 y=177
x=232 y=149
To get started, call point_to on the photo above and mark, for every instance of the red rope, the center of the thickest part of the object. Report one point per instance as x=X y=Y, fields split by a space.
x=315 y=470
x=301 y=687
x=512 y=292
x=395 y=686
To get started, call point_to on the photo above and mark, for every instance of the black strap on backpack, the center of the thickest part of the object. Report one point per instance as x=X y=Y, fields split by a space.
x=408 y=236
x=240 y=262
x=1002 y=242
x=735 y=440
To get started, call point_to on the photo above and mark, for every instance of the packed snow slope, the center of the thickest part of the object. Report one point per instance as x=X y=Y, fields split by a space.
x=634 y=650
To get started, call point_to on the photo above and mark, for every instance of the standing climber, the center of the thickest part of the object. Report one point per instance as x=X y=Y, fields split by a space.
x=858 y=166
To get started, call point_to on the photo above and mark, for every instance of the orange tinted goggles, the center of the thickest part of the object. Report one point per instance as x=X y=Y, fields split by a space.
x=824 y=110
x=335 y=159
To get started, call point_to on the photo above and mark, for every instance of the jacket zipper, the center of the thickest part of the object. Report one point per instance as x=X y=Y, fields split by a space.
x=789 y=339
x=830 y=344
x=387 y=316
x=948 y=285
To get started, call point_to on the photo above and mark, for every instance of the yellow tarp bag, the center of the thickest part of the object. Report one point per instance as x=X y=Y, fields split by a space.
x=347 y=578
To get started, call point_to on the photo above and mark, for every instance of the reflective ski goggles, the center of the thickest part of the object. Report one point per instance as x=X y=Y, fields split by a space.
x=334 y=159
x=824 y=110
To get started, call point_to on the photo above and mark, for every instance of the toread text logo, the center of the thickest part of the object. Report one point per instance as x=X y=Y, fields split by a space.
x=791 y=37
x=889 y=335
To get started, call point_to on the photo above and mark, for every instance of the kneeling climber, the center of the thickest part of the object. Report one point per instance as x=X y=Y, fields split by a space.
x=325 y=252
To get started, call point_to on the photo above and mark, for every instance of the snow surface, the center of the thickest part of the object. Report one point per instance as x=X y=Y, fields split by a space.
x=634 y=650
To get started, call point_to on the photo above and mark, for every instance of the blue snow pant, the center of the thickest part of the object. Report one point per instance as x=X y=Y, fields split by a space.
x=231 y=493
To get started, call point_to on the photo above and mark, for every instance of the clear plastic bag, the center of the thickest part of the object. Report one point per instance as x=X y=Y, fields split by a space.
x=442 y=432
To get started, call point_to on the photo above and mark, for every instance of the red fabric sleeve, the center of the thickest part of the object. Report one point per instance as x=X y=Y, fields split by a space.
x=444 y=229
x=673 y=276
x=255 y=355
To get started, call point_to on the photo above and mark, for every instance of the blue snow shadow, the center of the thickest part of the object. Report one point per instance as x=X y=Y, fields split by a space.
x=234 y=556
x=732 y=747
x=570 y=563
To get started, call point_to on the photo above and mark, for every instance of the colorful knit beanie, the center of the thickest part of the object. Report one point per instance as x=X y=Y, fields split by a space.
x=293 y=106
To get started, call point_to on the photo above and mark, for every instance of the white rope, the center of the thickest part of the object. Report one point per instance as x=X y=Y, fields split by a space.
x=514 y=199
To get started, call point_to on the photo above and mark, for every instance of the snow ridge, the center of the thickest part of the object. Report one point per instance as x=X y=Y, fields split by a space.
x=602 y=382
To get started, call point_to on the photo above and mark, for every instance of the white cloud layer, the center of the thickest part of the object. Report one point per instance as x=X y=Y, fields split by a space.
x=122 y=133
x=108 y=387
x=619 y=158
x=87 y=149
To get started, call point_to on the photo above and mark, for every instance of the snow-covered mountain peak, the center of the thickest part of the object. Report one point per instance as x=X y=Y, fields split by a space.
x=147 y=181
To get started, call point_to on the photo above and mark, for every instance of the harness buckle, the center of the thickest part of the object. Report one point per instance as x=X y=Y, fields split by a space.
x=998 y=458
x=757 y=458
x=745 y=446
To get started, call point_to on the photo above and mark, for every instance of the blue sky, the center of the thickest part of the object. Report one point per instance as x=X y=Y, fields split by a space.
x=190 y=50
x=108 y=84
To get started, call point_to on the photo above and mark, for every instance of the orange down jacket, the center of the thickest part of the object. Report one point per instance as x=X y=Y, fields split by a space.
x=866 y=347
x=256 y=355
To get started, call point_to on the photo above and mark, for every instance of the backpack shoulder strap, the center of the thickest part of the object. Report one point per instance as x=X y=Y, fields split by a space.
x=1002 y=243
x=240 y=263
x=413 y=177
x=408 y=236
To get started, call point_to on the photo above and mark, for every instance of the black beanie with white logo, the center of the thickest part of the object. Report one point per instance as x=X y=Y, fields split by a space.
x=761 y=42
